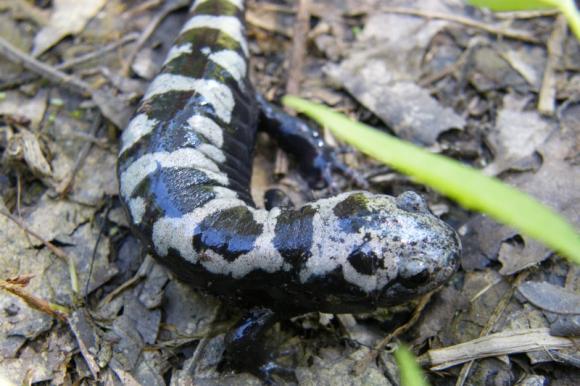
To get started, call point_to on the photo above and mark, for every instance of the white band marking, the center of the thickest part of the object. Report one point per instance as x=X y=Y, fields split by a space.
x=177 y=233
x=208 y=128
x=139 y=127
x=182 y=158
x=230 y=25
x=215 y=93
x=238 y=3
x=176 y=51
x=137 y=208
x=232 y=62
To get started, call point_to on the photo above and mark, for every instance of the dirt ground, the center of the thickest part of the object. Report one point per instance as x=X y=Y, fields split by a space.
x=82 y=303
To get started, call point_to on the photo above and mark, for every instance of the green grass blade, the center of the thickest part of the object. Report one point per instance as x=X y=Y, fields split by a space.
x=567 y=7
x=463 y=184
x=411 y=373
x=513 y=5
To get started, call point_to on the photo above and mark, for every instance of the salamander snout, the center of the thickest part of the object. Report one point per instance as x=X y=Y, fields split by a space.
x=427 y=249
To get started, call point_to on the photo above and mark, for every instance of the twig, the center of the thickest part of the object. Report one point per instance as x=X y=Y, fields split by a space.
x=95 y=248
x=26 y=78
x=146 y=34
x=546 y=100
x=198 y=353
x=127 y=284
x=98 y=53
x=506 y=32
x=53 y=248
x=63 y=188
x=491 y=322
x=22 y=9
x=572 y=277
x=34 y=302
x=527 y=14
x=459 y=63
x=298 y=51
x=69 y=81
x=296 y=66
x=142 y=7
x=115 y=110
x=19 y=200
x=278 y=8
x=139 y=275
x=267 y=24
x=503 y=343
x=362 y=364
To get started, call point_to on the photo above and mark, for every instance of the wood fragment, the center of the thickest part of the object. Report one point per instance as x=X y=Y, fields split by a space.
x=26 y=78
x=503 y=343
x=84 y=330
x=298 y=51
x=254 y=19
x=111 y=107
x=70 y=82
x=547 y=97
x=361 y=366
x=139 y=275
x=500 y=31
x=142 y=7
x=527 y=14
x=65 y=185
x=492 y=321
x=16 y=289
x=295 y=69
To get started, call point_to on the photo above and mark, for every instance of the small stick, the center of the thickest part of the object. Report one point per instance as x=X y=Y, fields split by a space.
x=97 y=53
x=139 y=275
x=26 y=78
x=460 y=62
x=19 y=199
x=500 y=31
x=139 y=8
x=267 y=24
x=527 y=14
x=296 y=66
x=53 y=248
x=502 y=343
x=362 y=365
x=113 y=109
x=298 y=51
x=149 y=30
x=491 y=322
x=547 y=98
x=65 y=185
x=34 y=302
x=69 y=81
x=95 y=248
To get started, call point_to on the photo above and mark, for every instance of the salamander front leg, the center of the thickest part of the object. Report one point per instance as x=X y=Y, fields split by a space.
x=246 y=349
x=316 y=159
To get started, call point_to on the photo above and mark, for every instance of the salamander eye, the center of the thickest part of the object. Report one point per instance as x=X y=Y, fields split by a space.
x=414 y=274
x=411 y=202
x=364 y=261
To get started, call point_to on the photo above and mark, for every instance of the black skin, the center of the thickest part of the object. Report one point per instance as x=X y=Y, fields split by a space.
x=316 y=160
x=245 y=345
x=276 y=198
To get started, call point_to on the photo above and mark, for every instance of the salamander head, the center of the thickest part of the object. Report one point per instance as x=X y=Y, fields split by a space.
x=427 y=250
x=383 y=250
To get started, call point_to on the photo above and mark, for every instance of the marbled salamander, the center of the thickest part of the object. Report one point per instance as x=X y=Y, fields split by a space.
x=184 y=171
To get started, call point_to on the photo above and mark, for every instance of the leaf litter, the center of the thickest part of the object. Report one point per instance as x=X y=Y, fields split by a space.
x=450 y=86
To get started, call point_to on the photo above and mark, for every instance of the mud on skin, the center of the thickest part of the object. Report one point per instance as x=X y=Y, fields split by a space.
x=184 y=171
